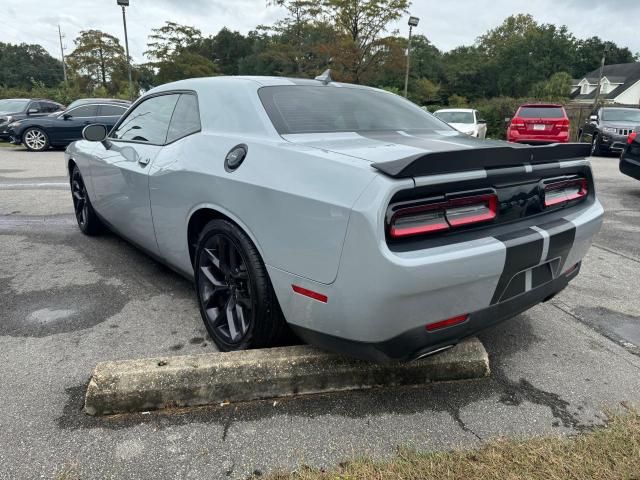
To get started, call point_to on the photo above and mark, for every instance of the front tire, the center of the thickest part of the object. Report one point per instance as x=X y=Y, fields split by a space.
x=237 y=302
x=596 y=149
x=35 y=139
x=88 y=221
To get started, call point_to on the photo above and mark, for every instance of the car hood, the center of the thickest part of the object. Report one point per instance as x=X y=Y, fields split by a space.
x=606 y=123
x=390 y=145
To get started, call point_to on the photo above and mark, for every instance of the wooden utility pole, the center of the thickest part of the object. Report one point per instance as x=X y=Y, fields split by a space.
x=64 y=67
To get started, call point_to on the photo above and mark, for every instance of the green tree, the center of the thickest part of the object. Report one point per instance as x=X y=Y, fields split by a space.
x=360 y=25
x=97 y=60
x=557 y=87
x=589 y=54
x=173 y=49
x=21 y=65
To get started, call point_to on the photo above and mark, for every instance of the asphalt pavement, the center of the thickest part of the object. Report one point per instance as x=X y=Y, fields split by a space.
x=68 y=301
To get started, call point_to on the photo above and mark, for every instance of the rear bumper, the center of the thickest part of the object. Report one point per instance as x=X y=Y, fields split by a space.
x=381 y=300
x=517 y=137
x=418 y=342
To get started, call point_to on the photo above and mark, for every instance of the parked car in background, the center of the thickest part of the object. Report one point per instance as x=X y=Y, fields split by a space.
x=465 y=120
x=38 y=134
x=12 y=109
x=608 y=128
x=343 y=212
x=82 y=101
x=630 y=158
x=539 y=124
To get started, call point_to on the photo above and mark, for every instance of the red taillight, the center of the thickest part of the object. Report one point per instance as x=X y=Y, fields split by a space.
x=310 y=293
x=517 y=123
x=441 y=216
x=564 y=191
x=449 y=322
x=564 y=125
x=632 y=136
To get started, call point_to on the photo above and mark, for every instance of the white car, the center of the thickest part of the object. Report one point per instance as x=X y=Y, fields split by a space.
x=465 y=120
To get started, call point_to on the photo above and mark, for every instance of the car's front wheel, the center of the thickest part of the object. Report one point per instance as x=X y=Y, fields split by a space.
x=35 y=139
x=596 y=149
x=86 y=217
x=237 y=302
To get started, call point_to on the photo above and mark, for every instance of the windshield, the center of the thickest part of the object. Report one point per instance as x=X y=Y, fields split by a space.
x=621 y=115
x=12 y=106
x=315 y=109
x=455 y=117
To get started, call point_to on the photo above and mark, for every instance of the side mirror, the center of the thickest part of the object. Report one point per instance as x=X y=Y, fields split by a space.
x=32 y=111
x=507 y=120
x=67 y=116
x=95 y=133
x=593 y=118
x=482 y=120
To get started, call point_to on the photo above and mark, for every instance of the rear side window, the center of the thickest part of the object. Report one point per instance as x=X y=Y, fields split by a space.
x=541 y=112
x=149 y=121
x=315 y=109
x=111 y=111
x=186 y=118
x=84 y=111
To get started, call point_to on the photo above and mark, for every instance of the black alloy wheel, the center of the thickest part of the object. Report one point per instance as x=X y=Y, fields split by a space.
x=86 y=217
x=237 y=302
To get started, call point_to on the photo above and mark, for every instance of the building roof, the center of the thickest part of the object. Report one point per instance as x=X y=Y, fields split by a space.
x=626 y=74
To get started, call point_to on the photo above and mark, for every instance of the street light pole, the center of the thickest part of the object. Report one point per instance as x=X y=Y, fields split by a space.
x=124 y=4
x=413 y=22
x=604 y=56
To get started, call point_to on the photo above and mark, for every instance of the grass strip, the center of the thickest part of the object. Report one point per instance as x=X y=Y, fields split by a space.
x=606 y=453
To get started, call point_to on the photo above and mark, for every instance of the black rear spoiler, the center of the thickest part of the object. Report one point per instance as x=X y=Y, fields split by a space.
x=478 y=158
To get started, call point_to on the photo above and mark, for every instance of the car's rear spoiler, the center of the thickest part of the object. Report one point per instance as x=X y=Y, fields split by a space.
x=478 y=158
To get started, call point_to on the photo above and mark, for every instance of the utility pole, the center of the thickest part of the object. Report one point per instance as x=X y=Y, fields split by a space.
x=123 y=4
x=604 y=57
x=413 y=22
x=64 y=67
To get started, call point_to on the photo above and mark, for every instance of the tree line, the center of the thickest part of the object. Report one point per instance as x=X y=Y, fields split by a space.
x=519 y=58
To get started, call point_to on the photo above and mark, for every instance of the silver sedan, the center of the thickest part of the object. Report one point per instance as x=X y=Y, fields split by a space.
x=341 y=213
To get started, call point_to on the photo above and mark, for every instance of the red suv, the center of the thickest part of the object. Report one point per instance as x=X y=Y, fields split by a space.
x=539 y=123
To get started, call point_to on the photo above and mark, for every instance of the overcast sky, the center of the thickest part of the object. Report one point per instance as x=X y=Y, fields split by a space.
x=447 y=24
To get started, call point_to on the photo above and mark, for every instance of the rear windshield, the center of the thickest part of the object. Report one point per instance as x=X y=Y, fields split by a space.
x=541 y=112
x=316 y=109
x=455 y=117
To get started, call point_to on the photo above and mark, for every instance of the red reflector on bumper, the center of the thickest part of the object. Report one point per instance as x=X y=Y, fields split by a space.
x=310 y=293
x=449 y=322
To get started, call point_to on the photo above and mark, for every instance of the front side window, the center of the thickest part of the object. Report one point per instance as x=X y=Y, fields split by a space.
x=330 y=108
x=149 y=121
x=83 y=111
x=186 y=118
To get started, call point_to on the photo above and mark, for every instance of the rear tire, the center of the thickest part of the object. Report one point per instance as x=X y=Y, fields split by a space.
x=35 y=139
x=237 y=302
x=88 y=221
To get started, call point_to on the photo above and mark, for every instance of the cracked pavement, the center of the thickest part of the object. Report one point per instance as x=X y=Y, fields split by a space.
x=69 y=301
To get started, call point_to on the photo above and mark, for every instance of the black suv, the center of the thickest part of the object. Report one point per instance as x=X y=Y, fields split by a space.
x=608 y=128
x=12 y=109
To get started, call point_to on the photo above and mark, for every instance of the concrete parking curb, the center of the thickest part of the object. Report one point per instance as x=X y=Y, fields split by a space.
x=155 y=383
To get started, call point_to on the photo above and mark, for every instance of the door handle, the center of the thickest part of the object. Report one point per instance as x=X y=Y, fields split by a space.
x=143 y=161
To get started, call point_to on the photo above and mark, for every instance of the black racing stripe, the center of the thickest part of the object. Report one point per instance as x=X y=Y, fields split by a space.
x=541 y=275
x=501 y=172
x=524 y=249
x=516 y=287
x=562 y=234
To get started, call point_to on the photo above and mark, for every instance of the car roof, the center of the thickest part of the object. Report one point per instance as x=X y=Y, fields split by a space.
x=619 y=108
x=542 y=105
x=257 y=81
x=466 y=110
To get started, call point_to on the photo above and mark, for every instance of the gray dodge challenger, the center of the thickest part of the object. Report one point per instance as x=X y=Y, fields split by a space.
x=343 y=213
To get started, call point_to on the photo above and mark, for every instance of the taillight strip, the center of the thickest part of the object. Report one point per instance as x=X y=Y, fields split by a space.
x=558 y=193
